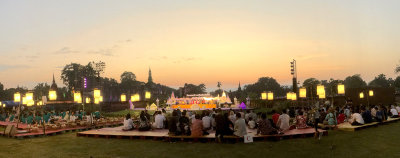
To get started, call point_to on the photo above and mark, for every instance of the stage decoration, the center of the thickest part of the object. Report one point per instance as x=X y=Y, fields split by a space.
x=153 y=107
x=242 y=106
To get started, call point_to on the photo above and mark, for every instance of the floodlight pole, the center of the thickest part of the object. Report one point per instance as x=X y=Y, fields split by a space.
x=19 y=113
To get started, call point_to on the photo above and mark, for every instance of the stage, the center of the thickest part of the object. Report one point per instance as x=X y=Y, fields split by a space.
x=24 y=133
x=346 y=126
x=162 y=134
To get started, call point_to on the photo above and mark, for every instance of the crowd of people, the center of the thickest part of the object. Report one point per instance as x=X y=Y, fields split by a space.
x=196 y=124
x=237 y=123
x=32 y=117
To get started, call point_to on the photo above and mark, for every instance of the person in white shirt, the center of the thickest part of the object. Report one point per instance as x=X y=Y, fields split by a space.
x=240 y=126
x=66 y=116
x=373 y=112
x=72 y=118
x=283 y=121
x=206 y=122
x=232 y=117
x=395 y=113
x=246 y=116
x=356 y=119
x=128 y=123
x=253 y=115
x=213 y=123
x=347 y=112
x=251 y=123
x=159 y=120
x=398 y=108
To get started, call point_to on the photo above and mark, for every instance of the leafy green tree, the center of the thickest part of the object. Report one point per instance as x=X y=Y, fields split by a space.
x=193 y=89
x=2 y=92
x=311 y=85
x=129 y=83
x=128 y=76
x=354 y=81
x=73 y=75
x=331 y=86
x=264 y=84
x=111 y=89
x=41 y=89
x=380 y=81
x=396 y=83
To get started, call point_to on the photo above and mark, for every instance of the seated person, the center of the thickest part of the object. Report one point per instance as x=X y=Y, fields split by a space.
x=206 y=121
x=283 y=121
x=197 y=127
x=275 y=117
x=330 y=118
x=394 y=112
x=97 y=115
x=172 y=124
x=128 y=123
x=72 y=118
x=38 y=119
x=66 y=117
x=341 y=117
x=356 y=119
x=240 y=126
x=144 y=123
x=159 y=120
x=23 y=118
x=232 y=116
x=398 y=108
x=251 y=123
x=373 y=112
x=11 y=118
x=366 y=115
x=29 y=119
x=264 y=126
x=301 y=120
x=184 y=124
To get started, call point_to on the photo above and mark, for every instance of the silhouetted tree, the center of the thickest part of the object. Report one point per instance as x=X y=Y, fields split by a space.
x=354 y=81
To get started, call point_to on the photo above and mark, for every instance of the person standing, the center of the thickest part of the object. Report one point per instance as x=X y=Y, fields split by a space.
x=316 y=119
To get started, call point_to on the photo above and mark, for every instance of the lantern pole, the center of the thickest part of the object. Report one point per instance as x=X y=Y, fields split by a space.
x=43 y=122
x=368 y=98
x=332 y=95
x=19 y=113
x=19 y=109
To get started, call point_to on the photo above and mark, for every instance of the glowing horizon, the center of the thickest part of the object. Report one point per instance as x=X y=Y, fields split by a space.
x=199 y=42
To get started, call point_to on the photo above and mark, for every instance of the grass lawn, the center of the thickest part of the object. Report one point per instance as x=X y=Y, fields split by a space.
x=381 y=141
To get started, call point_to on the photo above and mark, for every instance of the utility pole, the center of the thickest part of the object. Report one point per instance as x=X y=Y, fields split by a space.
x=293 y=72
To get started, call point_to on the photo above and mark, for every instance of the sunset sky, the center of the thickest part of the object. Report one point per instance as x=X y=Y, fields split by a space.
x=199 y=41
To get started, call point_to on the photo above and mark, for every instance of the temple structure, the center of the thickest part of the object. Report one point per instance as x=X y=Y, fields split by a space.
x=53 y=85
